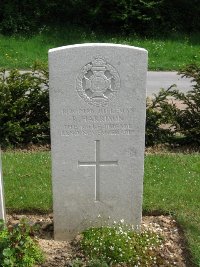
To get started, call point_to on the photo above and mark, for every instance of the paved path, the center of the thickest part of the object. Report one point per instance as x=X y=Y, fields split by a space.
x=164 y=79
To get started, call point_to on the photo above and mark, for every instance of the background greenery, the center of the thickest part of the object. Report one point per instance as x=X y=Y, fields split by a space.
x=171 y=52
x=140 y=16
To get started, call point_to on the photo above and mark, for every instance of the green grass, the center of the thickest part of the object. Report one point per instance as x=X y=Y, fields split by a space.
x=171 y=185
x=170 y=53
x=27 y=179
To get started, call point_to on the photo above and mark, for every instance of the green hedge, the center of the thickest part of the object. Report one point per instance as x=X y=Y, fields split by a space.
x=187 y=120
x=179 y=124
x=24 y=110
x=24 y=107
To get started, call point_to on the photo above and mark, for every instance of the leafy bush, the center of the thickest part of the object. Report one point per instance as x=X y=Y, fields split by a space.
x=187 y=119
x=120 y=244
x=168 y=122
x=24 y=107
x=24 y=110
x=18 y=248
x=159 y=118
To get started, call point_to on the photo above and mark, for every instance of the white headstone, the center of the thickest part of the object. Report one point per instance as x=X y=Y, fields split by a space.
x=2 y=206
x=97 y=105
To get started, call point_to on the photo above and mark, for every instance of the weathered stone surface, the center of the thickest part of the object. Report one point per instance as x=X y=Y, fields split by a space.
x=97 y=105
x=2 y=207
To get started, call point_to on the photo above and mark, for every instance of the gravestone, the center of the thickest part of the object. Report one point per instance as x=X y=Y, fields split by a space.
x=97 y=111
x=2 y=207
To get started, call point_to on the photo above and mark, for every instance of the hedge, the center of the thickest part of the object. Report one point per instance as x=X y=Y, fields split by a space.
x=24 y=110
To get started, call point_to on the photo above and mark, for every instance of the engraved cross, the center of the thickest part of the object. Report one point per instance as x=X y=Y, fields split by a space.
x=97 y=164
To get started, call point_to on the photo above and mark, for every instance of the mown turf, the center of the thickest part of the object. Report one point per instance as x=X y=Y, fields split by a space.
x=27 y=179
x=171 y=185
x=169 y=53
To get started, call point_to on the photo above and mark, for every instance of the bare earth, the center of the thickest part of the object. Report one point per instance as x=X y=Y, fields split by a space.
x=61 y=253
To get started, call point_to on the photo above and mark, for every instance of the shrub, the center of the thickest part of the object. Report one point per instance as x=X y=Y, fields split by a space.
x=18 y=248
x=24 y=107
x=187 y=120
x=159 y=118
x=168 y=122
x=24 y=110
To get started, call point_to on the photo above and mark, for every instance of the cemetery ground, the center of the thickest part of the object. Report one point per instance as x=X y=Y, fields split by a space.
x=171 y=187
x=171 y=52
x=171 y=183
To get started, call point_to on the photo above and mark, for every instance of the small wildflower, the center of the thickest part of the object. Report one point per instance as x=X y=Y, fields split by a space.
x=130 y=246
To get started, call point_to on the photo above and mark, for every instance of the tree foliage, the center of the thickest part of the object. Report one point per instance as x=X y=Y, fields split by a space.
x=134 y=16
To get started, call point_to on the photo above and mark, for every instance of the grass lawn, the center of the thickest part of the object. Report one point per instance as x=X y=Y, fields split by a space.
x=170 y=53
x=27 y=181
x=171 y=185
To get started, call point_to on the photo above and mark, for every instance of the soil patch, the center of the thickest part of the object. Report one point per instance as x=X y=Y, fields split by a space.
x=62 y=253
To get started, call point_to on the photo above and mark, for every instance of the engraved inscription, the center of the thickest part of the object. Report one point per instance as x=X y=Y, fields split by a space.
x=98 y=82
x=103 y=121
x=97 y=164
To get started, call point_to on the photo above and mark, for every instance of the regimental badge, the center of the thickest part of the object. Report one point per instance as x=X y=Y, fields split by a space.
x=98 y=82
